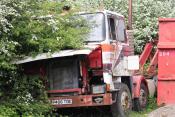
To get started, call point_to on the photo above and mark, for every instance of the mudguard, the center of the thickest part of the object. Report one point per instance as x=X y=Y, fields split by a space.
x=137 y=80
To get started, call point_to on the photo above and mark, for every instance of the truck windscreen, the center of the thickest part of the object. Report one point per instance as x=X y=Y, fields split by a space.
x=97 y=26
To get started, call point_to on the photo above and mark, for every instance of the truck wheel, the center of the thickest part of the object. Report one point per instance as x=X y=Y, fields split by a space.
x=141 y=102
x=123 y=103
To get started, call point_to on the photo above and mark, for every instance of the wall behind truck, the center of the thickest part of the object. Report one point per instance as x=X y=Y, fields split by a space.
x=166 y=62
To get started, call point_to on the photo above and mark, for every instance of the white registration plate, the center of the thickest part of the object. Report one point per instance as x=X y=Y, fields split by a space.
x=61 y=101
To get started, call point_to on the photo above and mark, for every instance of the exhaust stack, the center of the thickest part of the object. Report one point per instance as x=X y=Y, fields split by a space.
x=130 y=16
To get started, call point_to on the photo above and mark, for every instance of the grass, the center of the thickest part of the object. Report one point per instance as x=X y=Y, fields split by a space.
x=150 y=107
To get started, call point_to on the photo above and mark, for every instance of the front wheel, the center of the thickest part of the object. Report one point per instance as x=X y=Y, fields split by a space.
x=123 y=103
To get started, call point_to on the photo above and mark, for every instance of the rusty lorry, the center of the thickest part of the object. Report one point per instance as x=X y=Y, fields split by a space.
x=103 y=73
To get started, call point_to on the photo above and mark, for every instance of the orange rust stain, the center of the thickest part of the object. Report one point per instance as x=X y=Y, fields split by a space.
x=107 y=48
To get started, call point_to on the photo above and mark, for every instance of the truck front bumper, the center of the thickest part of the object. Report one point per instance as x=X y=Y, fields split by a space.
x=82 y=100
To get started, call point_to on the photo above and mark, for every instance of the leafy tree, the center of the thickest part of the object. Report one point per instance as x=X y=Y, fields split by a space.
x=146 y=17
x=30 y=27
x=6 y=11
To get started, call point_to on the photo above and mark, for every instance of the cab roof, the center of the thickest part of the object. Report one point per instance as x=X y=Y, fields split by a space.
x=105 y=12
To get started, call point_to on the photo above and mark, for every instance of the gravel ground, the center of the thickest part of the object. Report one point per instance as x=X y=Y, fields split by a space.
x=165 y=111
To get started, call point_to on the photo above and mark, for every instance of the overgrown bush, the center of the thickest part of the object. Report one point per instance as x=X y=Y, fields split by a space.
x=30 y=27
x=23 y=95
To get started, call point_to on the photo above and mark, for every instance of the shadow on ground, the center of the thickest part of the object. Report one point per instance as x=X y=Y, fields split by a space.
x=84 y=112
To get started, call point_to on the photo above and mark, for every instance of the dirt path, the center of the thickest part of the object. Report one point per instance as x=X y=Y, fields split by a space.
x=165 y=111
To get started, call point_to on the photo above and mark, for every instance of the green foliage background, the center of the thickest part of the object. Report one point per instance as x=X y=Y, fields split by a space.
x=145 y=15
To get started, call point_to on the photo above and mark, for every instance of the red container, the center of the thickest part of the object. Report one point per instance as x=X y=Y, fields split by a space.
x=166 y=62
x=166 y=33
x=166 y=92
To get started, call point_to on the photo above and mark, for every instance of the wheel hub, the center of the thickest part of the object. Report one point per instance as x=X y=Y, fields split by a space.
x=125 y=100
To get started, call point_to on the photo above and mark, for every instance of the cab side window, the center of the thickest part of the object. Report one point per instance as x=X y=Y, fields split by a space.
x=120 y=30
x=112 y=28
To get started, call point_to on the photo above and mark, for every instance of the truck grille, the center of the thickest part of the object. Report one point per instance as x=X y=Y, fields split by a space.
x=63 y=73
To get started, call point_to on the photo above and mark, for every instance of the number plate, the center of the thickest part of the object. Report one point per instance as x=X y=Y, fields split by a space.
x=61 y=101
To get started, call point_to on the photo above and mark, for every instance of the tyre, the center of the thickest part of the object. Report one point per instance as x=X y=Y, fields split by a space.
x=123 y=104
x=141 y=102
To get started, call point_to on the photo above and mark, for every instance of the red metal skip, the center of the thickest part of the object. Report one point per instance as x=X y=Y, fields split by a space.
x=166 y=62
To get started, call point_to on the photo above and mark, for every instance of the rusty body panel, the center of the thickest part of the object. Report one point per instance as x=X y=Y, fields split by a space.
x=166 y=63
x=83 y=100
x=65 y=91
